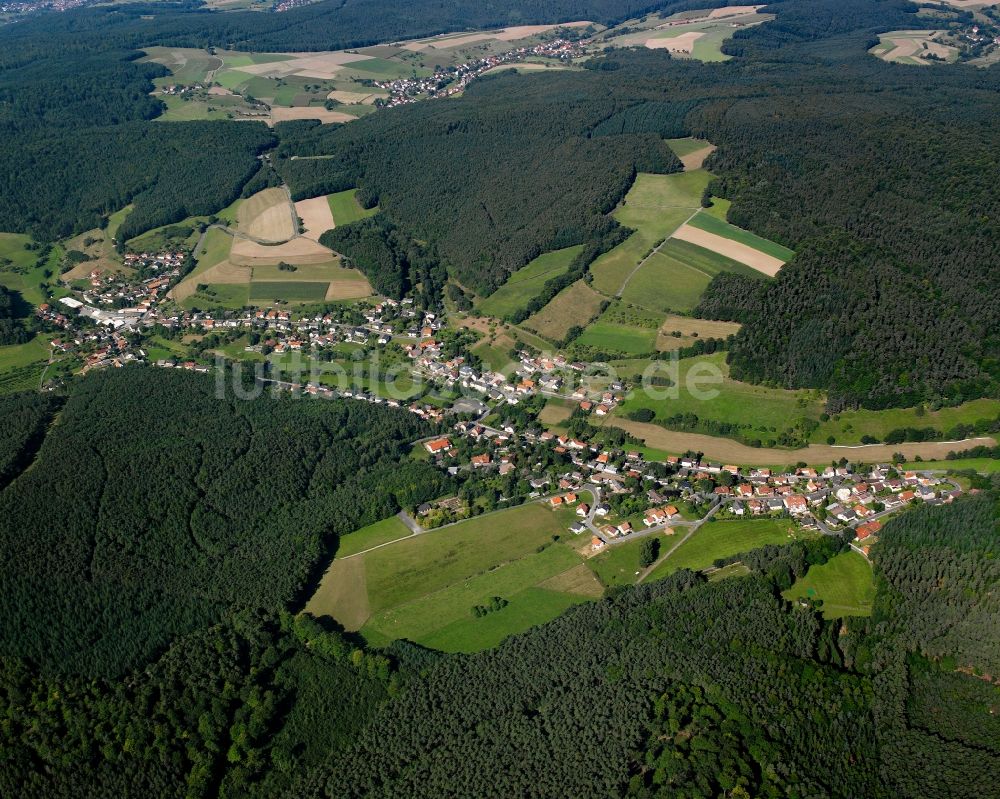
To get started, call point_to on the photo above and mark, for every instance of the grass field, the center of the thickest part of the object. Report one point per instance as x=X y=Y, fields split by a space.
x=983 y=465
x=722 y=539
x=575 y=305
x=691 y=330
x=618 y=338
x=373 y=535
x=346 y=209
x=619 y=564
x=686 y=145
x=844 y=583
x=654 y=207
x=424 y=587
x=288 y=291
x=735 y=402
x=848 y=427
x=16 y=356
x=556 y=411
x=526 y=283
x=712 y=224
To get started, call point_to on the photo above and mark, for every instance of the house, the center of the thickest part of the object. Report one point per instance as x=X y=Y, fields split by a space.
x=555 y=502
x=437 y=445
x=583 y=509
x=867 y=529
x=796 y=504
x=569 y=499
x=625 y=528
x=480 y=460
x=577 y=527
x=596 y=544
x=602 y=510
x=654 y=516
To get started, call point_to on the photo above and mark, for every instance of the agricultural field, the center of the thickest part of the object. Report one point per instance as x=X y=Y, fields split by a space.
x=315 y=217
x=425 y=587
x=616 y=337
x=267 y=217
x=981 y=465
x=345 y=208
x=556 y=411
x=391 y=529
x=710 y=223
x=915 y=47
x=848 y=427
x=723 y=539
x=654 y=207
x=526 y=283
x=689 y=34
x=735 y=402
x=691 y=151
x=690 y=331
x=575 y=305
x=676 y=275
x=844 y=583
x=285 y=291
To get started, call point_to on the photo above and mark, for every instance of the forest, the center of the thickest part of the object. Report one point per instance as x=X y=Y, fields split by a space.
x=153 y=509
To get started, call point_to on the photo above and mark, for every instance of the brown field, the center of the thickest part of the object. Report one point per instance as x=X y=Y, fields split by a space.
x=683 y=43
x=696 y=159
x=578 y=580
x=297 y=251
x=272 y=225
x=762 y=262
x=315 y=215
x=554 y=414
x=575 y=305
x=343 y=594
x=352 y=98
x=525 y=31
x=253 y=207
x=324 y=116
x=726 y=449
x=733 y=11
x=225 y=272
x=691 y=330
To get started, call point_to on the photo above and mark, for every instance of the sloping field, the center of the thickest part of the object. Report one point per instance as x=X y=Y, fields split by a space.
x=755 y=259
x=526 y=283
x=692 y=152
x=680 y=42
x=345 y=208
x=283 y=114
x=690 y=331
x=315 y=215
x=576 y=304
x=296 y=251
x=267 y=216
x=844 y=583
x=711 y=223
x=730 y=451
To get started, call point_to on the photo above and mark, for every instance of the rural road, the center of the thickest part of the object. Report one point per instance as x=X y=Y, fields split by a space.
x=691 y=531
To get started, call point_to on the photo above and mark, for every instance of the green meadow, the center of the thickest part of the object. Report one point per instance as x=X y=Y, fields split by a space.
x=526 y=283
x=844 y=583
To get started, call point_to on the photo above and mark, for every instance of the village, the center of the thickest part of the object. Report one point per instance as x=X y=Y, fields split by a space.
x=449 y=81
x=490 y=438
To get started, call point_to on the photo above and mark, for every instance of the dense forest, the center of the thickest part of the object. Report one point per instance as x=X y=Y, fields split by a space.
x=154 y=507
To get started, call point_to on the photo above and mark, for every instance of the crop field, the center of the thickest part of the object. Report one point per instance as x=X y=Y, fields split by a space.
x=654 y=207
x=690 y=34
x=345 y=208
x=848 y=427
x=723 y=539
x=915 y=47
x=712 y=224
x=315 y=216
x=690 y=330
x=844 y=583
x=526 y=283
x=267 y=216
x=576 y=304
x=424 y=587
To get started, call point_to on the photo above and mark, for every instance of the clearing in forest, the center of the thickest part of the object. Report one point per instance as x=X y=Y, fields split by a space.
x=527 y=282
x=845 y=585
x=574 y=306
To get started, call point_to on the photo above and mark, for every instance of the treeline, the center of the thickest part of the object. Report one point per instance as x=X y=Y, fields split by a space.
x=13 y=309
x=153 y=507
x=23 y=421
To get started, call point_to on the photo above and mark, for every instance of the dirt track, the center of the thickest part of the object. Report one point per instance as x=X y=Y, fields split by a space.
x=730 y=451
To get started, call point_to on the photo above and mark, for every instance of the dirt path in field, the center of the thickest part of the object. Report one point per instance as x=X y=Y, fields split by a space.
x=653 y=252
x=725 y=449
x=755 y=259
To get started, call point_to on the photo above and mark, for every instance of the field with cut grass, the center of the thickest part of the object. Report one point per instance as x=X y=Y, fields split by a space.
x=288 y=291
x=654 y=207
x=690 y=331
x=712 y=224
x=345 y=208
x=425 y=587
x=844 y=583
x=983 y=465
x=556 y=411
x=391 y=529
x=619 y=564
x=576 y=304
x=723 y=539
x=526 y=283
